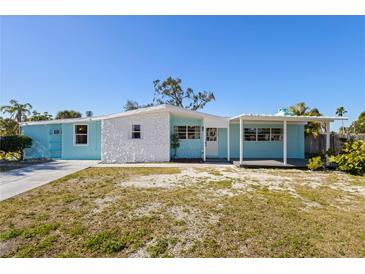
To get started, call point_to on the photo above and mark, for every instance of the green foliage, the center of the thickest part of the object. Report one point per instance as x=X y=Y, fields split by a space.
x=340 y=111
x=15 y=144
x=105 y=241
x=36 y=116
x=175 y=142
x=312 y=128
x=170 y=92
x=16 y=110
x=315 y=163
x=10 y=234
x=8 y=127
x=158 y=249
x=358 y=126
x=352 y=158
x=40 y=230
x=68 y=114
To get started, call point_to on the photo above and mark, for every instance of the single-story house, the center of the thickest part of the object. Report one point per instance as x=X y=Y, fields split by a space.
x=144 y=135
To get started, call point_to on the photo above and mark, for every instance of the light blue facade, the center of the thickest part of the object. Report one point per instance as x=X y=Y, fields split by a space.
x=40 y=145
x=189 y=149
x=47 y=144
x=268 y=149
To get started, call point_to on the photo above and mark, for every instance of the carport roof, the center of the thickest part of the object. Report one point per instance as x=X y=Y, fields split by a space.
x=292 y=118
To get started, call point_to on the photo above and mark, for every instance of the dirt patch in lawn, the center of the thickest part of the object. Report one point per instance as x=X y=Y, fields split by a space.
x=188 y=212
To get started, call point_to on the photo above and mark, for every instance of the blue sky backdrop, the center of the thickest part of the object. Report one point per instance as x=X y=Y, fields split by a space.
x=253 y=64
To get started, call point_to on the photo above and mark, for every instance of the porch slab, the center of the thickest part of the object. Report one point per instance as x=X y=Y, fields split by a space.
x=271 y=163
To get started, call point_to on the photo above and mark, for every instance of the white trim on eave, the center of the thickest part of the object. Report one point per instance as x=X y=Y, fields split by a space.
x=268 y=118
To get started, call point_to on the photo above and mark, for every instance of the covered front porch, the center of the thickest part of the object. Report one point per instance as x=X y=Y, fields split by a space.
x=273 y=140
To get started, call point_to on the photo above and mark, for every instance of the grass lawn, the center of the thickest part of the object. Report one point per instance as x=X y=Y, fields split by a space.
x=188 y=212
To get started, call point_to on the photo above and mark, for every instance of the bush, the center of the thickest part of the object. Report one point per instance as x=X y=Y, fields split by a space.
x=351 y=159
x=315 y=163
x=15 y=144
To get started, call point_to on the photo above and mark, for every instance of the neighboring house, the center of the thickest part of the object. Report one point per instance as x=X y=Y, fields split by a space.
x=143 y=135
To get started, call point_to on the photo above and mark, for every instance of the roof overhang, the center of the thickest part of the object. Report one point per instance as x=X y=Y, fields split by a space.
x=273 y=118
x=148 y=110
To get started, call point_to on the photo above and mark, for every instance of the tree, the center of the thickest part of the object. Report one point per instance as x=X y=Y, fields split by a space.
x=89 y=113
x=311 y=128
x=16 y=143
x=170 y=92
x=340 y=111
x=36 y=116
x=68 y=114
x=8 y=127
x=299 y=109
x=358 y=126
x=16 y=110
x=132 y=105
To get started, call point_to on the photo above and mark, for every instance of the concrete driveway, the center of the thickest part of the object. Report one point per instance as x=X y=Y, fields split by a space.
x=21 y=180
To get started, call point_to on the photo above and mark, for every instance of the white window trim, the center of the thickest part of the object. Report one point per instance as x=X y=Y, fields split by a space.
x=87 y=135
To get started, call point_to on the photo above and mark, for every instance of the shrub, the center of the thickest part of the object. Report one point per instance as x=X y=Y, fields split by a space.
x=351 y=159
x=315 y=163
x=175 y=143
x=15 y=144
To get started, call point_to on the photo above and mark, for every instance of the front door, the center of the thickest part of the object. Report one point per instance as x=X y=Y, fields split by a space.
x=212 y=141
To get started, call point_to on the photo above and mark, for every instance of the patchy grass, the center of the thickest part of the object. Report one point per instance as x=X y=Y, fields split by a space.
x=222 y=212
x=212 y=171
x=158 y=249
x=221 y=184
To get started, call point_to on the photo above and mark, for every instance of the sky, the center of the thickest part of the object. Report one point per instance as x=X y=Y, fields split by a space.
x=252 y=64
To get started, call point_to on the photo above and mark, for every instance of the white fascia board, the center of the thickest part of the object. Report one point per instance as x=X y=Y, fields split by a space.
x=271 y=122
x=287 y=118
x=60 y=121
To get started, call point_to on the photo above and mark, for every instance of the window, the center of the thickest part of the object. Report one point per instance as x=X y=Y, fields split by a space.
x=211 y=135
x=263 y=134
x=193 y=132
x=136 y=131
x=187 y=132
x=180 y=131
x=56 y=132
x=81 y=134
x=276 y=134
x=250 y=134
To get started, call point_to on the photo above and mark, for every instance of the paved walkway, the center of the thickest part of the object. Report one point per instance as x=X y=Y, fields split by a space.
x=21 y=180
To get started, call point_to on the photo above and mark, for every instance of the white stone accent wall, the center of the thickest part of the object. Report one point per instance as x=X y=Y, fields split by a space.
x=117 y=145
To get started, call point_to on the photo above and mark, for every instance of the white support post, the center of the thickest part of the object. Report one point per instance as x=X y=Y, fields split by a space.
x=228 y=144
x=328 y=139
x=285 y=144
x=204 y=142
x=241 y=141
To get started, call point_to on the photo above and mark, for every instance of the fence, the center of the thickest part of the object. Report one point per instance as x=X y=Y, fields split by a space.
x=317 y=146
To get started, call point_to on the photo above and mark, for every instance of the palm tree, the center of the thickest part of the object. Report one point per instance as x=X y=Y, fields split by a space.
x=299 y=109
x=340 y=111
x=311 y=128
x=67 y=114
x=17 y=110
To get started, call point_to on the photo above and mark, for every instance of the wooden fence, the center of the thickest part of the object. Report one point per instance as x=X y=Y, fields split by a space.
x=316 y=146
